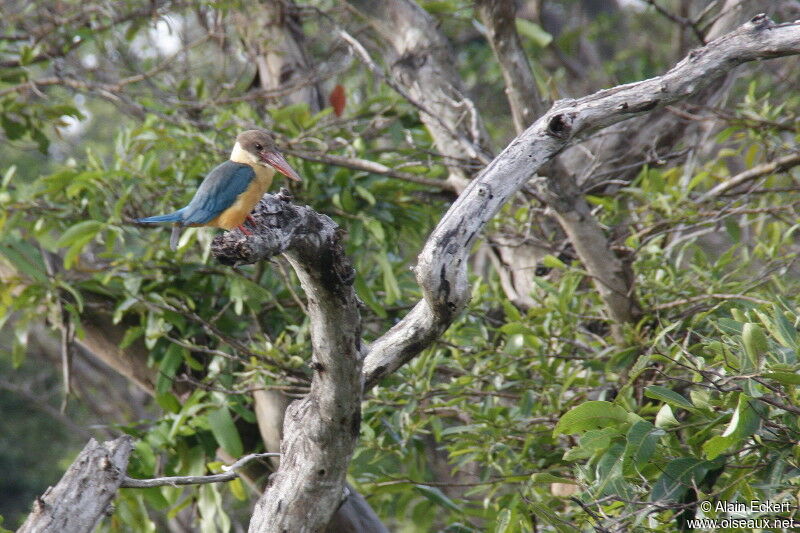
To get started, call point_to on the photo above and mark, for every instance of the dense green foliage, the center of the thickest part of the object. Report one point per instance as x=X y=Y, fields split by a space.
x=516 y=420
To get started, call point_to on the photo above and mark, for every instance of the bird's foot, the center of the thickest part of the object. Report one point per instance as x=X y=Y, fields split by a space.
x=250 y=219
x=244 y=230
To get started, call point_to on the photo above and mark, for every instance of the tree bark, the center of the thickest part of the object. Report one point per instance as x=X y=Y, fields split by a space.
x=274 y=39
x=321 y=430
x=499 y=16
x=83 y=494
x=423 y=62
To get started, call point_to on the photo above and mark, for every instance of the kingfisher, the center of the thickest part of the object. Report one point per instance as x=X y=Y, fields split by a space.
x=228 y=194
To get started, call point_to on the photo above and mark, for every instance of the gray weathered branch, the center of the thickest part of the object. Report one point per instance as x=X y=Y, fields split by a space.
x=651 y=133
x=85 y=491
x=441 y=270
x=424 y=67
x=320 y=431
x=229 y=475
x=498 y=16
x=426 y=76
x=560 y=192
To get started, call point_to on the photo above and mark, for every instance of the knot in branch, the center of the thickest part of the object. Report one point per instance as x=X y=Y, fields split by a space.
x=279 y=226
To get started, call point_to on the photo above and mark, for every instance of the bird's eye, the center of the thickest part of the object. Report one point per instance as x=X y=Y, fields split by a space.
x=259 y=147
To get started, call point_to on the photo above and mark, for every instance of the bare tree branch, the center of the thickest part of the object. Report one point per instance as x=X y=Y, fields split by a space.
x=229 y=475
x=441 y=269
x=85 y=491
x=560 y=191
x=779 y=165
x=371 y=166
x=498 y=16
x=320 y=431
x=424 y=71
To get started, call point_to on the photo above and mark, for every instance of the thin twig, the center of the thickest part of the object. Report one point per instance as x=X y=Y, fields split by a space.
x=779 y=165
x=681 y=21
x=591 y=513
x=701 y=297
x=370 y=166
x=230 y=475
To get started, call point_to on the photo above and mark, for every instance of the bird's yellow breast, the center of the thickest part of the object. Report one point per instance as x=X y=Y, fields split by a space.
x=235 y=215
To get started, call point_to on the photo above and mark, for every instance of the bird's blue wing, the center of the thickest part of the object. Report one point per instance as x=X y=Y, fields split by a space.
x=218 y=192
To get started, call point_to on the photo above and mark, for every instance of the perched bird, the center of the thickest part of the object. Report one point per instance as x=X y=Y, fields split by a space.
x=229 y=193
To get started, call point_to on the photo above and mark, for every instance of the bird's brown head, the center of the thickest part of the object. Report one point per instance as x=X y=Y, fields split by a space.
x=260 y=144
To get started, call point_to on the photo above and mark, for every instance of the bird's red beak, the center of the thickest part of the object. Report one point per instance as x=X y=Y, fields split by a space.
x=277 y=161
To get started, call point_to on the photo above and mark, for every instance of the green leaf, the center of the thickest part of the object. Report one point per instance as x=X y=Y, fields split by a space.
x=609 y=472
x=503 y=521
x=641 y=442
x=168 y=402
x=130 y=336
x=678 y=476
x=598 y=439
x=376 y=228
x=365 y=194
x=438 y=497
x=551 y=261
x=786 y=378
x=224 y=431
x=546 y=514
x=237 y=295
x=665 y=418
x=591 y=415
x=173 y=512
x=714 y=446
x=746 y=418
x=237 y=489
x=18 y=348
x=75 y=249
x=167 y=367
x=79 y=231
x=365 y=293
x=13 y=129
x=389 y=280
x=534 y=32
x=755 y=345
x=666 y=395
x=25 y=260
x=785 y=332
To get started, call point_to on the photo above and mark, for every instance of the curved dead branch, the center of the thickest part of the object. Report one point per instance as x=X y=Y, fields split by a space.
x=320 y=431
x=441 y=270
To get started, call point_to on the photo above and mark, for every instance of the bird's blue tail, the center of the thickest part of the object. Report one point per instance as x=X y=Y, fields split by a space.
x=172 y=217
